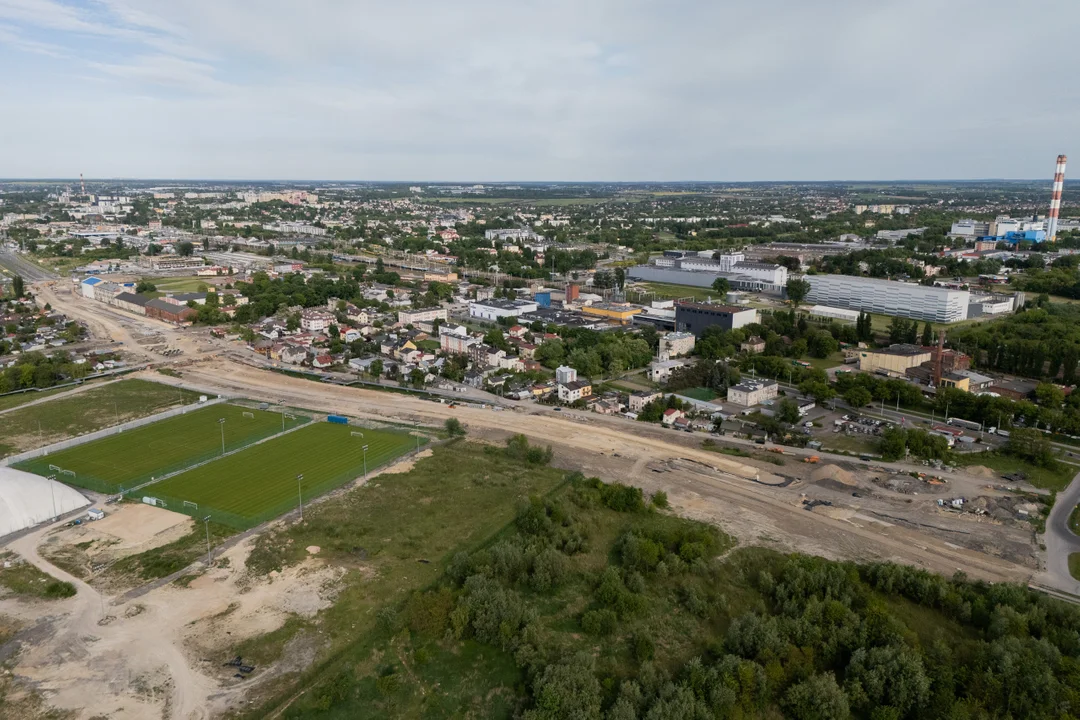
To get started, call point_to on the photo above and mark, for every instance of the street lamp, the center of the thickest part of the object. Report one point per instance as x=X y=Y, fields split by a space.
x=221 y=422
x=365 y=462
x=300 y=496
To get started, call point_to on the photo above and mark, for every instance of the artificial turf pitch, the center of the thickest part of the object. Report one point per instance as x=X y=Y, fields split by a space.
x=135 y=456
x=260 y=483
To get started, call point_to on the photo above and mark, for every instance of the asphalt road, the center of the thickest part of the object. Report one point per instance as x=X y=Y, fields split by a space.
x=28 y=270
x=1061 y=541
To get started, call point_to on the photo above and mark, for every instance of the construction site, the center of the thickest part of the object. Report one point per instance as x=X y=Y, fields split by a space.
x=123 y=647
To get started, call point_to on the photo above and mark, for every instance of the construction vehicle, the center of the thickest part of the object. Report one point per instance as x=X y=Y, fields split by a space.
x=811 y=459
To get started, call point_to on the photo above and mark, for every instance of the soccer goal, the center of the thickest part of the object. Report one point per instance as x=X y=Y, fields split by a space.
x=249 y=415
x=55 y=468
x=189 y=504
x=289 y=417
x=356 y=433
x=68 y=472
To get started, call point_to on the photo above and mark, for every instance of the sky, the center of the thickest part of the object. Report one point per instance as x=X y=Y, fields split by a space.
x=535 y=90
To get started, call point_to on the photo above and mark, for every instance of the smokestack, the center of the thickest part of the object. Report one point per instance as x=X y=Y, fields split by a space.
x=1055 y=199
x=82 y=184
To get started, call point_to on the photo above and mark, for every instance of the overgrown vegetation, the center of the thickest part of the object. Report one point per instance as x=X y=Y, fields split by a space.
x=591 y=604
x=25 y=580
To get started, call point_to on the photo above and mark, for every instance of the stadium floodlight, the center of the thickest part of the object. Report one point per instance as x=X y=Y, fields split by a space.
x=221 y=422
x=365 y=462
x=300 y=495
x=206 y=524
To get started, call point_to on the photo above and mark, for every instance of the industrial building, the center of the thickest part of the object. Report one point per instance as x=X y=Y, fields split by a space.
x=695 y=317
x=492 y=310
x=831 y=313
x=894 y=360
x=27 y=499
x=703 y=269
x=888 y=297
x=616 y=312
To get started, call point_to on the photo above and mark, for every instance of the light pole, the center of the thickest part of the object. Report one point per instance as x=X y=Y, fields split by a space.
x=365 y=462
x=300 y=496
x=53 y=493
x=221 y=422
x=282 y=404
x=206 y=525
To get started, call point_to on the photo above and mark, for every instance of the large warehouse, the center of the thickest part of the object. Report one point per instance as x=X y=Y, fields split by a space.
x=888 y=297
x=27 y=499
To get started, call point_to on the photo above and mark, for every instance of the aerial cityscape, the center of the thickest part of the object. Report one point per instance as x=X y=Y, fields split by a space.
x=339 y=381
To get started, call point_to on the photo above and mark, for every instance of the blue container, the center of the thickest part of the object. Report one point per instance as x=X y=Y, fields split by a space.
x=337 y=419
x=543 y=299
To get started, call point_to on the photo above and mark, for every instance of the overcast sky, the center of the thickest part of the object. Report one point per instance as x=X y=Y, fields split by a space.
x=533 y=90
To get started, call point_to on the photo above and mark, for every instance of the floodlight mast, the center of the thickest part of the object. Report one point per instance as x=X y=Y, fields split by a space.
x=221 y=422
x=300 y=496
x=206 y=524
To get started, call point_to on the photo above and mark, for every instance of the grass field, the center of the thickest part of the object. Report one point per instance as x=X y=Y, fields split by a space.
x=698 y=393
x=133 y=457
x=97 y=408
x=1051 y=479
x=257 y=484
x=16 y=399
x=178 y=284
x=1074 y=565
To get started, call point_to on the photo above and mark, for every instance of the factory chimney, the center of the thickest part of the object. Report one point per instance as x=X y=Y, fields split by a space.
x=1055 y=199
x=82 y=184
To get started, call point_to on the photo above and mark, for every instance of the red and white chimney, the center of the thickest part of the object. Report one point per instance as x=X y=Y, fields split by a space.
x=1055 y=199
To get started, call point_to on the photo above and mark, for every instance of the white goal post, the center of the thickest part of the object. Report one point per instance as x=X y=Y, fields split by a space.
x=188 y=503
x=68 y=472
x=249 y=415
x=356 y=433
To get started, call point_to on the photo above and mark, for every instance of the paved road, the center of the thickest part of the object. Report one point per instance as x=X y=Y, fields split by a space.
x=29 y=271
x=1061 y=541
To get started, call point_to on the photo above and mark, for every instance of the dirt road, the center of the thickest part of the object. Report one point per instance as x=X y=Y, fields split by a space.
x=720 y=488
x=90 y=645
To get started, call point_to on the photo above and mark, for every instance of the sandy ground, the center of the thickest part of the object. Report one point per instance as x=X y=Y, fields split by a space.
x=707 y=486
x=160 y=655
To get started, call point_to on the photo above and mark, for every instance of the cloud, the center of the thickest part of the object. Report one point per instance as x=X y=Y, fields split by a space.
x=564 y=89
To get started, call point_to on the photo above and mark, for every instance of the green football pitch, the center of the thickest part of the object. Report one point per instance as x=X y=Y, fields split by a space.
x=260 y=483
x=135 y=456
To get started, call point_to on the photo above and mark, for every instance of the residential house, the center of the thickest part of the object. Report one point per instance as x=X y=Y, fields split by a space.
x=671 y=415
x=749 y=394
x=294 y=354
x=322 y=361
x=641 y=398
x=314 y=320
x=753 y=345
x=574 y=390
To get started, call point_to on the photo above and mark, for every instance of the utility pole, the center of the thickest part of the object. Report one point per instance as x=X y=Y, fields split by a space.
x=221 y=422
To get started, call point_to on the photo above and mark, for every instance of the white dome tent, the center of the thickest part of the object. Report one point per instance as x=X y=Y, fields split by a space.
x=27 y=499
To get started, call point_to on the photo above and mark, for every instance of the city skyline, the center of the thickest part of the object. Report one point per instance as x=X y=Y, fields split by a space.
x=567 y=92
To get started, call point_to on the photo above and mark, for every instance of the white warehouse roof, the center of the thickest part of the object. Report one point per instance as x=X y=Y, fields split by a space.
x=27 y=499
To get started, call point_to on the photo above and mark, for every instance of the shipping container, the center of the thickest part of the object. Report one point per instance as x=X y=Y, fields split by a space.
x=337 y=419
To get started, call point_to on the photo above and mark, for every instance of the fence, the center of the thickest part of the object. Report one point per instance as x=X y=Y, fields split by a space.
x=106 y=432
